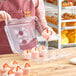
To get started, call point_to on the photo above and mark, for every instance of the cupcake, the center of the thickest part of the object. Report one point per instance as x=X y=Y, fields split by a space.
x=18 y=71
x=27 y=69
x=14 y=64
x=26 y=55
x=10 y=73
x=46 y=34
x=35 y=53
x=4 y=69
x=43 y=51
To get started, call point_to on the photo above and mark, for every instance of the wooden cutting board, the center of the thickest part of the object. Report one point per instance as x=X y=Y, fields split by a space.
x=59 y=67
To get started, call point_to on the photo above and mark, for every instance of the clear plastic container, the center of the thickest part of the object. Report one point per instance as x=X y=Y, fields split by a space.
x=21 y=33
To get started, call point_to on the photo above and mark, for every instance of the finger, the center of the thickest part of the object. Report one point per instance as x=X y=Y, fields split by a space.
x=3 y=15
x=1 y=19
x=8 y=17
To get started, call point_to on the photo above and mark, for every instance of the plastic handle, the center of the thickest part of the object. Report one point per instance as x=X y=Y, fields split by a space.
x=6 y=22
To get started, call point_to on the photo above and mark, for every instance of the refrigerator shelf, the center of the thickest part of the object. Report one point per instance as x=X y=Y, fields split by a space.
x=51 y=14
x=71 y=20
x=62 y=28
x=49 y=5
x=52 y=25
x=69 y=45
x=68 y=28
x=70 y=7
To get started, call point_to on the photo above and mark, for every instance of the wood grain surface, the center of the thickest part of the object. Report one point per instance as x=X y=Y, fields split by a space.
x=59 y=67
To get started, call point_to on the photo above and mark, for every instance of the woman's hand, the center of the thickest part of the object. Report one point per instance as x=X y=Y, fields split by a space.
x=4 y=16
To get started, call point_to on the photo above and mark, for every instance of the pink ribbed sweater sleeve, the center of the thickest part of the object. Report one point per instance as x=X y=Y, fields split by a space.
x=40 y=13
